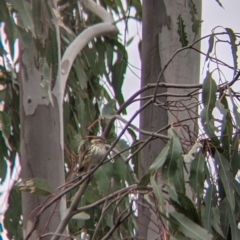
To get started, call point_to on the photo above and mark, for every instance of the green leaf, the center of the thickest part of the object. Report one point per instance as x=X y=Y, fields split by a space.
x=118 y=73
x=197 y=174
x=144 y=180
x=236 y=114
x=36 y=186
x=236 y=185
x=226 y=129
x=181 y=31
x=235 y=163
x=208 y=100
x=5 y=128
x=81 y=216
x=234 y=47
x=210 y=46
x=91 y=195
x=175 y=152
x=3 y=169
x=159 y=161
x=190 y=229
x=10 y=26
x=134 y=158
x=210 y=202
x=223 y=207
x=122 y=145
x=81 y=75
x=178 y=179
x=233 y=219
x=188 y=157
x=13 y=216
x=158 y=193
x=103 y=177
x=185 y=206
x=24 y=14
x=209 y=92
x=226 y=177
x=121 y=169
x=216 y=221
x=109 y=109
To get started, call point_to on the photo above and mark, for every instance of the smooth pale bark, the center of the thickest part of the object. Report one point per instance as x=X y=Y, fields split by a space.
x=160 y=40
x=41 y=151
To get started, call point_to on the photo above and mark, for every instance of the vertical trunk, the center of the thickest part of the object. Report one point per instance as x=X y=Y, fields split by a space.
x=41 y=148
x=153 y=117
x=159 y=41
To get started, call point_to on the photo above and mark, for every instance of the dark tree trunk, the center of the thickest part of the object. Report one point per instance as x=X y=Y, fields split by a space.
x=153 y=117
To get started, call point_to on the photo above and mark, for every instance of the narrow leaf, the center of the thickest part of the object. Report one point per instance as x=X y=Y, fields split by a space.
x=24 y=13
x=210 y=46
x=159 y=161
x=103 y=177
x=210 y=202
x=81 y=216
x=208 y=100
x=174 y=153
x=235 y=163
x=226 y=177
x=190 y=229
x=197 y=174
x=144 y=180
x=226 y=129
x=233 y=219
x=36 y=186
x=109 y=108
x=234 y=47
x=216 y=221
x=158 y=193
x=179 y=181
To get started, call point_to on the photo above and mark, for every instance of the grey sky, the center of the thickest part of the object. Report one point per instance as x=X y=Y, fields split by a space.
x=213 y=15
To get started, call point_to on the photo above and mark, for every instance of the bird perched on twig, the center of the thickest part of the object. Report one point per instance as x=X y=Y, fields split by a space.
x=93 y=154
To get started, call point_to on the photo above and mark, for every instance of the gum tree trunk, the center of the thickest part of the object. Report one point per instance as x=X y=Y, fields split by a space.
x=159 y=41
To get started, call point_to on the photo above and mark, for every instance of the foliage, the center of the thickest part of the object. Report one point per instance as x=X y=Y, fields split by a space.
x=85 y=94
x=106 y=210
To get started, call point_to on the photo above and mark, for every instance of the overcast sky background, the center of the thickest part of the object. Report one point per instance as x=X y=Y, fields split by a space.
x=212 y=15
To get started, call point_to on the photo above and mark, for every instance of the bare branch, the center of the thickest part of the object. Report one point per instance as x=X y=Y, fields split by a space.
x=77 y=197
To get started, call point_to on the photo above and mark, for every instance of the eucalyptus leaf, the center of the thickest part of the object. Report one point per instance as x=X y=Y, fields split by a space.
x=226 y=177
x=210 y=46
x=81 y=216
x=24 y=14
x=175 y=152
x=103 y=177
x=210 y=202
x=158 y=193
x=234 y=47
x=197 y=173
x=159 y=161
x=36 y=186
x=191 y=229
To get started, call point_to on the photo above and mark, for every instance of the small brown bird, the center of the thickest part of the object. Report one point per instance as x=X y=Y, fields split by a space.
x=93 y=154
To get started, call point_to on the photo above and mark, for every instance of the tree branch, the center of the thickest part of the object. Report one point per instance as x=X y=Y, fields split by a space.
x=80 y=42
x=77 y=197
